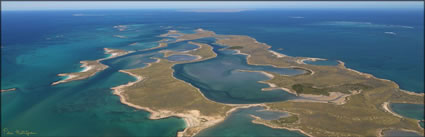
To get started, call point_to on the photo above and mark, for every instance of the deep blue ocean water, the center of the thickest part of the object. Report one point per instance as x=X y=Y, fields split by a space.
x=38 y=45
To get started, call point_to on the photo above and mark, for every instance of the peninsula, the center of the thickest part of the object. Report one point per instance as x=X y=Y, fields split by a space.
x=174 y=97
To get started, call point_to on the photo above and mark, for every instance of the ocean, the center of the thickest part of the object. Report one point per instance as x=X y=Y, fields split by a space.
x=38 y=45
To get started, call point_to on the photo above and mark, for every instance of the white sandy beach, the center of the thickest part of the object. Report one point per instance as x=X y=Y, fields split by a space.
x=301 y=61
x=278 y=55
x=386 y=107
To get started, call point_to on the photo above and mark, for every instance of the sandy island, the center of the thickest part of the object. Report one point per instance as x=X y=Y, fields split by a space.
x=91 y=67
x=160 y=45
x=120 y=36
x=121 y=27
x=10 y=89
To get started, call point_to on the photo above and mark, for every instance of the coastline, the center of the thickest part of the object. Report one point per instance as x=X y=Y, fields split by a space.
x=191 y=119
x=90 y=68
x=271 y=85
x=239 y=52
x=337 y=98
x=161 y=45
x=6 y=90
x=281 y=56
x=341 y=65
x=301 y=61
x=412 y=93
x=258 y=120
x=278 y=55
x=259 y=71
x=381 y=131
x=76 y=75
x=334 y=97
x=386 y=107
x=197 y=57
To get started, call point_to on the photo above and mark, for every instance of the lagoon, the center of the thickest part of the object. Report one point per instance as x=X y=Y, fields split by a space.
x=221 y=79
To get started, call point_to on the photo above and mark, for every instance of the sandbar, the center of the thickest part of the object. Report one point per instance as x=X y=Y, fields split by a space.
x=91 y=67
x=10 y=89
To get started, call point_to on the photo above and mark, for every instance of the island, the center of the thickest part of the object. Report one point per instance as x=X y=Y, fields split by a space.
x=160 y=45
x=91 y=67
x=337 y=101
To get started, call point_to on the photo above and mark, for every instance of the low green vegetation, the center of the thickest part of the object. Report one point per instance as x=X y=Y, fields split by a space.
x=285 y=120
x=235 y=47
x=307 y=88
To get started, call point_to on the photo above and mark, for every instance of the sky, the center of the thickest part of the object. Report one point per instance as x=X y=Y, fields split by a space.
x=82 y=5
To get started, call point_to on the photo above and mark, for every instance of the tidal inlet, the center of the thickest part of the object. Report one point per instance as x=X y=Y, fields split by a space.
x=284 y=69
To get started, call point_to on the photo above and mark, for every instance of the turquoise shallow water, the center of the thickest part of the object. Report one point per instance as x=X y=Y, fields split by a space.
x=55 y=42
x=85 y=107
x=80 y=108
